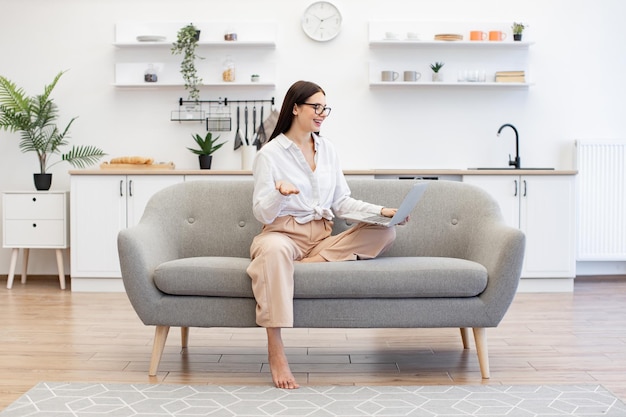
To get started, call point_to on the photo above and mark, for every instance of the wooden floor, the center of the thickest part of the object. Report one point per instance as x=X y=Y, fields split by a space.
x=52 y=335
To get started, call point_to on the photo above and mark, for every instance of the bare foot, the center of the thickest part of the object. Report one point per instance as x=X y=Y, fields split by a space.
x=279 y=366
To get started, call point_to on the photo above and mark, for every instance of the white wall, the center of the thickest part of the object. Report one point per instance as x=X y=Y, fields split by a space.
x=577 y=63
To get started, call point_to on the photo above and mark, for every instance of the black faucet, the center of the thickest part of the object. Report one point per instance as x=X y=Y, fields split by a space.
x=516 y=162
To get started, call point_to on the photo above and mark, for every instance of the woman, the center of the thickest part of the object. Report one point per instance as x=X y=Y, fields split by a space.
x=299 y=187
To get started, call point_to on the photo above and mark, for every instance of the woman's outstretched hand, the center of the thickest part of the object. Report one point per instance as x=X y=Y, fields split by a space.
x=286 y=188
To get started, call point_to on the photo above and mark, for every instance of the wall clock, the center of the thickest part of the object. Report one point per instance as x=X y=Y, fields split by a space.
x=321 y=21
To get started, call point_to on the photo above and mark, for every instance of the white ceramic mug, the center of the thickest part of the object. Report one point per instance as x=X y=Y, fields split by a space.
x=391 y=35
x=413 y=36
x=412 y=75
x=389 y=75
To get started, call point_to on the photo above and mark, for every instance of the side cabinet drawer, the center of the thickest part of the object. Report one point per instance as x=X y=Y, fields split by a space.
x=34 y=206
x=34 y=233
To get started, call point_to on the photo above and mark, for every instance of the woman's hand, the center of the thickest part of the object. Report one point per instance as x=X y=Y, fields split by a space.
x=390 y=212
x=286 y=188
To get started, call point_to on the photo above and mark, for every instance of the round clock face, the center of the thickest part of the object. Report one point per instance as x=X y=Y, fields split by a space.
x=321 y=21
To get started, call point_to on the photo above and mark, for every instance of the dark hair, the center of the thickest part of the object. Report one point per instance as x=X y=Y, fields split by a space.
x=298 y=93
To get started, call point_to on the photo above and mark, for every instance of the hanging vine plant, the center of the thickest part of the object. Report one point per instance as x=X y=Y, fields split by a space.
x=186 y=43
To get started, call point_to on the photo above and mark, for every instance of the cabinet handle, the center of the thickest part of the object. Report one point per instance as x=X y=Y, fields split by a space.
x=525 y=188
x=34 y=224
x=130 y=188
x=121 y=188
x=34 y=198
x=515 y=193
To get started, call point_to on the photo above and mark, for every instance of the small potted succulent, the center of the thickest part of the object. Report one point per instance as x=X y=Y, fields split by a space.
x=436 y=67
x=518 y=29
x=207 y=145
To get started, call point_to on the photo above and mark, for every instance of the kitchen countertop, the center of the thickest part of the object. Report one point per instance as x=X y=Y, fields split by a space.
x=416 y=172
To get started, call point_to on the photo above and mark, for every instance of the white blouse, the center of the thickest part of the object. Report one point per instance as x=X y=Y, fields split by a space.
x=324 y=192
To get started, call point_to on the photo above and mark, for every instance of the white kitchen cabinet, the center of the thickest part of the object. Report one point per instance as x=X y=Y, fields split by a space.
x=252 y=53
x=35 y=220
x=465 y=56
x=542 y=206
x=101 y=206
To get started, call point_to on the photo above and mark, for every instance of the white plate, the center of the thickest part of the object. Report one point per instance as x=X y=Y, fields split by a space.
x=151 y=38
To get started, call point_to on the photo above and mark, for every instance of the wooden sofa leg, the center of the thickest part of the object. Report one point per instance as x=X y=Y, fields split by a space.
x=160 y=336
x=465 y=337
x=480 y=338
x=184 y=337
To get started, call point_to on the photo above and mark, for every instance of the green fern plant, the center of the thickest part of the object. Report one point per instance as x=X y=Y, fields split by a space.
x=35 y=118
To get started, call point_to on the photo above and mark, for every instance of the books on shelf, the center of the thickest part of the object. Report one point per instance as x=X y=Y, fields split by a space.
x=510 y=77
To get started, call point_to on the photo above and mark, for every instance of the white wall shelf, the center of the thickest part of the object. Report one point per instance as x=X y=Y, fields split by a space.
x=426 y=84
x=225 y=44
x=252 y=52
x=451 y=44
x=461 y=56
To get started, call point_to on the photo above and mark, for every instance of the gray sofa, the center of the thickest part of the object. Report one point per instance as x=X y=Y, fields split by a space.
x=455 y=264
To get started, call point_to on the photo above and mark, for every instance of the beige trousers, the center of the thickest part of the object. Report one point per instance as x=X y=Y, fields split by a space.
x=284 y=241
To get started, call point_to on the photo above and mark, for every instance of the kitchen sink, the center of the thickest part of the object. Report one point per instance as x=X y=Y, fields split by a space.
x=511 y=168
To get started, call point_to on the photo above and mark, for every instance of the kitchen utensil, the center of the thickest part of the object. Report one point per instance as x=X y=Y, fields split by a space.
x=238 y=141
x=254 y=119
x=245 y=117
x=270 y=123
x=261 y=136
x=255 y=142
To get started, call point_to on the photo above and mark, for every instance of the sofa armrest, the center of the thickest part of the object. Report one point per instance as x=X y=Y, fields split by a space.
x=141 y=249
x=500 y=249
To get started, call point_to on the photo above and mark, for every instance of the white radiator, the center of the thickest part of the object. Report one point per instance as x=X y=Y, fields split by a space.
x=601 y=200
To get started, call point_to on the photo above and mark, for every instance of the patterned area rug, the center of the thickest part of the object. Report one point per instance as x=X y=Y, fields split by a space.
x=124 y=400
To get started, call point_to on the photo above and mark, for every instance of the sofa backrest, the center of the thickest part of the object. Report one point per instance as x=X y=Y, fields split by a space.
x=214 y=217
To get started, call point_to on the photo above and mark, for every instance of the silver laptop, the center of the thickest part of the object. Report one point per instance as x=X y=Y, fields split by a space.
x=406 y=207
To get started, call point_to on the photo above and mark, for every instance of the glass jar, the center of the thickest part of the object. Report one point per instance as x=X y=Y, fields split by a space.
x=228 y=70
x=150 y=75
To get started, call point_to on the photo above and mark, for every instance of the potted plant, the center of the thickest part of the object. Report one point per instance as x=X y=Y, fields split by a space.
x=207 y=146
x=518 y=29
x=35 y=118
x=186 y=43
x=436 y=67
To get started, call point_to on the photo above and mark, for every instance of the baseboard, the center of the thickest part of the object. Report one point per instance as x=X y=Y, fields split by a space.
x=97 y=285
x=546 y=285
x=600 y=268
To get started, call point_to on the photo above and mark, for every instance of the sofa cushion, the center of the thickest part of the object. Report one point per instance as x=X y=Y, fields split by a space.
x=401 y=277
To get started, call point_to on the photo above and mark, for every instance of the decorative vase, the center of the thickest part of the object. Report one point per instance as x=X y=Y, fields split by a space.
x=517 y=37
x=205 y=161
x=42 y=181
x=437 y=77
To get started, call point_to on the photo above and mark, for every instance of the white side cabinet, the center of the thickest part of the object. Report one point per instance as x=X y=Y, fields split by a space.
x=101 y=206
x=542 y=206
x=35 y=220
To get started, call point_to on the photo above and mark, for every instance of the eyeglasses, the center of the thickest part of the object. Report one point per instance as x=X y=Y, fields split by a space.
x=319 y=109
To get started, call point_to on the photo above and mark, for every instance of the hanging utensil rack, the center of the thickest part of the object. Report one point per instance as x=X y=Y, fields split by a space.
x=218 y=118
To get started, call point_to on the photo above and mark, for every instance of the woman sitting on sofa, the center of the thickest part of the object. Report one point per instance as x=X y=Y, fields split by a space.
x=299 y=187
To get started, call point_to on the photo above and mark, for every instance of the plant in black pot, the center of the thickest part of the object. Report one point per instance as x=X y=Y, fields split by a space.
x=518 y=29
x=207 y=145
x=35 y=118
x=186 y=43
